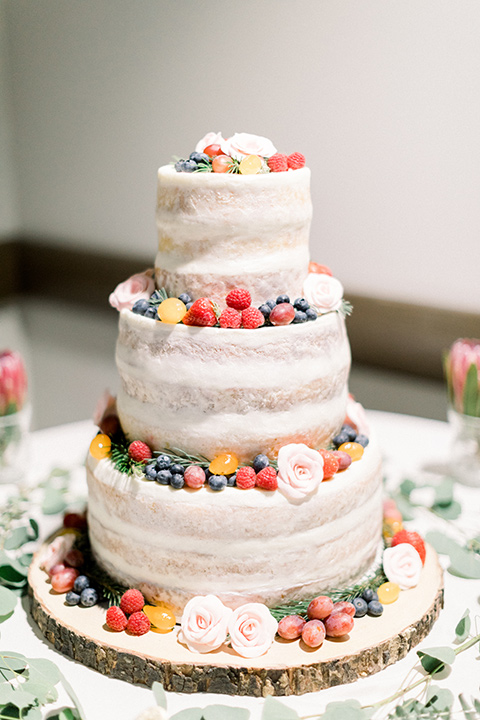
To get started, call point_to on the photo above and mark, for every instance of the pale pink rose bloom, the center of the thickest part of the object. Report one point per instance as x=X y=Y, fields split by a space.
x=464 y=352
x=242 y=144
x=204 y=623
x=300 y=471
x=356 y=416
x=402 y=565
x=323 y=291
x=210 y=138
x=57 y=550
x=13 y=382
x=135 y=288
x=106 y=405
x=252 y=630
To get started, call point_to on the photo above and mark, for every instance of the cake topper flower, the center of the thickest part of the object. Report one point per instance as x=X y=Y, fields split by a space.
x=242 y=144
x=210 y=138
x=204 y=624
x=402 y=564
x=462 y=371
x=252 y=630
x=323 y=291
x=137 y=287
x=13 y=382
x=300 y=471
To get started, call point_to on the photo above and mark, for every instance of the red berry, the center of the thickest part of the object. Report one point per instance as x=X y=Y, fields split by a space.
x=290 y=627
x=412 y=538
x=314 y=267
x=282 y=314
x=338 y=624
x=74 y=558
x=252 y=318
x=246 y=478
x=139 y=451
x=56 y=569
x=201 y=313
x=313 y=633
x=320 y=607
x=344 y=459
x=138 y=624
x=194 y=476
x=62 y=582
x=267 y=479
x=331 y=464
x=116 y=619
x=343 y=606
x=77 y=521
x=132 y=601
x=222 y=164
x=296 y=161
x=213 y=150
x=239 y=298
x=278 y=163
x=230 y=318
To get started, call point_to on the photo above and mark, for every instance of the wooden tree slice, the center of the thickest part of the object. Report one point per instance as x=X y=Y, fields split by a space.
x=288 y=668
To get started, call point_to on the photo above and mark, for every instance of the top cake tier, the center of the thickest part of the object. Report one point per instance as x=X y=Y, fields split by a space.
x=217 y=231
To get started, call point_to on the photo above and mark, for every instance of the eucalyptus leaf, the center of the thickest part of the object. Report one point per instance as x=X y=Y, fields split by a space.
x=188 y=714
x=462 y=629
x=33 y=713
x=435 y=659
x=439 y=698
x=448 y=512
x=25 y=559
x=406 y=488
x=73 y=697
x=11 y=577
x=476 y=704
x=41 y=691
x=45 y=671
x=13 y=661
x=225 y=712
x=19 y=698
x=16 y=538
x=442 y=543
x=53 y=501
x=465 y=563
x=345 y=710
x=9 y=711
x=35 y=531
x=8 y=601
x=444 y=492
x=64 y=714
x=275 y=710
x=468 y=711
x=159 y=695
x=3 y=618
x=405 y=507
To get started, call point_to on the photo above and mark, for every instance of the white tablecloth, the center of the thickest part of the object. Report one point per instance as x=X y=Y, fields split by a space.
x=408 y=444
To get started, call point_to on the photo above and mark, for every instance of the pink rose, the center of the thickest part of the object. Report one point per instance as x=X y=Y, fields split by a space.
x=210 y=138
x=356 y=416
x=323 y=291
x=242 y=144
x=57 y=551
x=252 y=629
x=300 y=471
x=402 y=564
x=135 y=288
x=204 y=623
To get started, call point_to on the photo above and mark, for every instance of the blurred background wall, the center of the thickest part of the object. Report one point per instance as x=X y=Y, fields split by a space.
x=381 y=97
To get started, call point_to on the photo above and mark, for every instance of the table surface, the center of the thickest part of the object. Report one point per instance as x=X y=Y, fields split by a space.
x=411 y=447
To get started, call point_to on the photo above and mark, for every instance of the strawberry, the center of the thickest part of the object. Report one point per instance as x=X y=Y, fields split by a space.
x=277 y=163
x=331 y=464
x=116 y=619
x=314 y=267
x=230 y=318
x=252 y=318
x=245 y=478
x=296 y=161
x=239 y=298
x=412 y=538
x=267 y=479
x=139 y=451
x=201 y=313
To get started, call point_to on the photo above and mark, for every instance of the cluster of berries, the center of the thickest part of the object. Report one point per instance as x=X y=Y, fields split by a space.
x=324 y=619
x=213 y=159
x=283 y=312
x=348 y=434
x=129 y=616
x=239 y=312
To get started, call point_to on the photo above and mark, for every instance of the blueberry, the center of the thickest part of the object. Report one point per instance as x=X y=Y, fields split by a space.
x=361 y=607
x=185 y=298
x=311 y=313
x=271 y=304
x=81 y=582
x=151 y=471
x=140 y=307
x=189 y=305
x=300 y=317
x=72 y=598
x=179 y=165
x=339 y=439
x=301 y=304
x=163 y=462
x=188 y=166
x=265 y=310
x=260 y=462
x=362 y=440
x=208 y=473
x=88 y=597
x=283 y=299
x=164 y=477
x=217 y=482
x=177 y=480
x=177 y=469
x=368 y=595
x=375 y=608
x=232 y=480
x=199 y=157
x=352 y=434
x=151 y=312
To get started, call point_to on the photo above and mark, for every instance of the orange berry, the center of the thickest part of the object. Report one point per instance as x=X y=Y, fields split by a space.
x=100 y=446
x=250 y=165
x=388 y=592
x=161 y=617
x=171 y=311
x=355 y=450
x=224 y=464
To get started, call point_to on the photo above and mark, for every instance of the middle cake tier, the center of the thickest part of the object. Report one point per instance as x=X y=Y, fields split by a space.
x=212 y=390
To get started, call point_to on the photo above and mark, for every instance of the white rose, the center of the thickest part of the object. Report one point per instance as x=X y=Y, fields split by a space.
x=204 y=623
x=242 y=144
x=356 y=416
x=323 y=291
x=135 y=288
x=300 y=471
x=252 y=630
x=210 y=138
x=402 y=565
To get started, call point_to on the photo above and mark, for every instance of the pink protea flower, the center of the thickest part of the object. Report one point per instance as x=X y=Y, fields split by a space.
x=13 y=382
x=462 y=370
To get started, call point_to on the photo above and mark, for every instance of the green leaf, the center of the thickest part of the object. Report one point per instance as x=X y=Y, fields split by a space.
x=188 y=714
x=405 y=507
x=33 y=713
x=25 y=559
x=65 y=714
x=470 y=391
x=448 y=512
x=465 y=563
x=434 y=659
x=439 y=698
x=8 y=601
x=10 y=576
x=225 y=712
x=42 y=692
x=19 y=698
x=444 y=492
x=45 y=671
x=53 y=501
x=72 y=695
x=275 y=710
x=442 y=543
x=35 y=531
x=462 y=629
x=346 y=710
x=469 y=713
x=406 y=487
x=16 y=538
x=3 y=618
x=9 y=711
x=159 y=695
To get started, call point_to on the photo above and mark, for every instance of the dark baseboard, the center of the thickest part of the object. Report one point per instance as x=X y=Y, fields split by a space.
x=383 y=333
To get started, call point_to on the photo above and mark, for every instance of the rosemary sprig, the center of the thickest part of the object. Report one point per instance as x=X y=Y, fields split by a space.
x=181 y=457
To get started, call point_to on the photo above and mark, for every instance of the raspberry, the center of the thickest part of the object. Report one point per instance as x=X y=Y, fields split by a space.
x=278 y=163
x=238 y=298
x=139 y=451
x=116 y=618
x=132 y=601
x=314 y=267
x=296 y=161
x=194 y=476
x=138 y=624
x=246 y=478
x=252 y=318
x=201 y=313
x=230 y=318
x=267 y=479
x=331 y=464
x=412 y=538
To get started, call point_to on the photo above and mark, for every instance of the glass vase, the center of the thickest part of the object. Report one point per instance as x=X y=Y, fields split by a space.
x=465 y=450
x=14 y=439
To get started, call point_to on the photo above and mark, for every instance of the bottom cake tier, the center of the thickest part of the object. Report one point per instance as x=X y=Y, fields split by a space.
x=240 y=545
